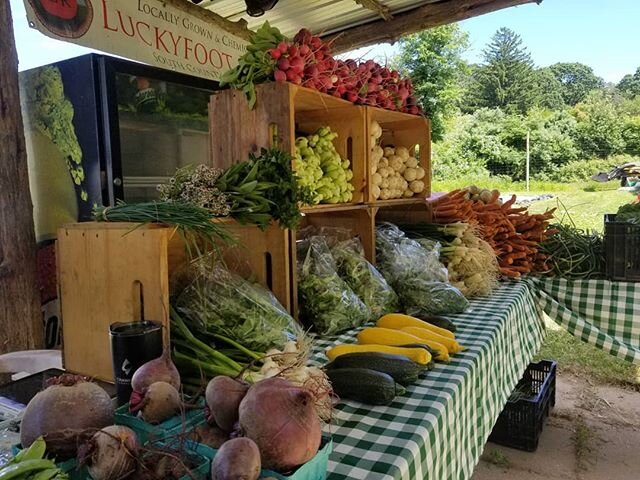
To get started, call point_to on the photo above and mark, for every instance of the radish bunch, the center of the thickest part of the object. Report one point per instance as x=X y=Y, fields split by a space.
x=307 y=61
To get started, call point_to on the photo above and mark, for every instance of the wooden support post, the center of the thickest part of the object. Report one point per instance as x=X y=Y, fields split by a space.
x=20 y=317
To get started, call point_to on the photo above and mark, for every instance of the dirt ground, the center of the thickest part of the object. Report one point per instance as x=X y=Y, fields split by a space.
x=592 y=434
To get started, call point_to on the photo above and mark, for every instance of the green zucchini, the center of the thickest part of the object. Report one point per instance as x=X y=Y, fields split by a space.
x=364 y=385
x=429 y=366
x=438 y=321
x=400 y=368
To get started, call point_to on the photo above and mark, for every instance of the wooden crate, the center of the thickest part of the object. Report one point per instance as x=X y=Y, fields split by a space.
x=282 y=112
x=401 y=130
x=118 y=272
x=109 y=273
x=358 y=220
x=403 y=213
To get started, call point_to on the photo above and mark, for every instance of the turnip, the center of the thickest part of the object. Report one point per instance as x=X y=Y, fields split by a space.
x=237 y=459
x=160 y=369
x=64 y=412
x=223 y=396
x=111 y=453
x=159 y=402
x=282 y=420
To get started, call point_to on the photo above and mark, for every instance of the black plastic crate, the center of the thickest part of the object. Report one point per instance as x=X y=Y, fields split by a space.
x=622 y=249
x=520 y=423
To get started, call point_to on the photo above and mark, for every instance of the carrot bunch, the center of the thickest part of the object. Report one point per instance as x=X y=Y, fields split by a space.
x=513 y=233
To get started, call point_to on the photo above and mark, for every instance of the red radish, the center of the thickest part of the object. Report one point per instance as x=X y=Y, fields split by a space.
x=283 y=47
x=223 y=396
x=275 y=53
x=111 y=453
x=293 y=51
x=413 y=110
x=160 y=369
x=311 y=71
x=304 y=50
x=283 y=64
x=282 y=420
x=291 y=75
x=297 y=79
x=279 y=76
x=64 y=412
x=297 y=64
x=351 y=96
x=315 y=42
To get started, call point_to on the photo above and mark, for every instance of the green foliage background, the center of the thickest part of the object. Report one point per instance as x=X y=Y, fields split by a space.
x=578 y=125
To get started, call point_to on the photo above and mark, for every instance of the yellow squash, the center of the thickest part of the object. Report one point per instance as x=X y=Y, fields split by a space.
x=399 y=320
x=423 y=334
x=398 y=338
x=418 y=355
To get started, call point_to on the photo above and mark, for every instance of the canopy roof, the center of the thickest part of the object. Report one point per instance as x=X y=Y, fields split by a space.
x=357 y=23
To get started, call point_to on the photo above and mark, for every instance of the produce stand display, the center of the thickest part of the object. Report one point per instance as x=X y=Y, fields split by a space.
x=439 y=428
x=601 y=312
x=238 y=253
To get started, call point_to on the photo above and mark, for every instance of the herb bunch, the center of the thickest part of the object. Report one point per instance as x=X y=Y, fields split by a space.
x=198 y=186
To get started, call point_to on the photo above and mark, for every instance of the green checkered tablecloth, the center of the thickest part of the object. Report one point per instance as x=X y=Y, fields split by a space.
x=603 y=313
x=438 y=429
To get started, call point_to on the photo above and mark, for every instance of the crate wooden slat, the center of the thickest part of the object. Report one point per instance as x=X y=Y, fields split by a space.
x=284 y=110
x=108 y=273
x=119 y=272
x=401 y=130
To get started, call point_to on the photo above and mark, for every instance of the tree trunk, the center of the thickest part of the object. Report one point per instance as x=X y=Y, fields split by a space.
x=20 y=318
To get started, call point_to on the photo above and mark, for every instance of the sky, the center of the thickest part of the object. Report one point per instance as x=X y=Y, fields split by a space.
x=603 y=34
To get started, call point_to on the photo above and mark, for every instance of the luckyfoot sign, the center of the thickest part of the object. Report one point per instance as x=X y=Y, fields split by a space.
x=161 y=33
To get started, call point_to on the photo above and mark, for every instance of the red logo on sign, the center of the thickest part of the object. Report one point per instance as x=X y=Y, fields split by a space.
x=65 y=18
x=65 y=9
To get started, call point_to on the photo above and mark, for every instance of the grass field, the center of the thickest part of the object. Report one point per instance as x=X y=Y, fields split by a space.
x=584 y=205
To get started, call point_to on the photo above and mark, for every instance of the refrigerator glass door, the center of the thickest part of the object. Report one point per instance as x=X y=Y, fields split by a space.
x=163 y=126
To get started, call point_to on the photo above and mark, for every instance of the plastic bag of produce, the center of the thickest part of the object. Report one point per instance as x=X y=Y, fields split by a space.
x=363 y=278
x=416 y=274
x=326 y=301
x=218 y=301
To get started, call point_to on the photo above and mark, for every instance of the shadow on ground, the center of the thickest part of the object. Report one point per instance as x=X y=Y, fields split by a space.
x=592 y=434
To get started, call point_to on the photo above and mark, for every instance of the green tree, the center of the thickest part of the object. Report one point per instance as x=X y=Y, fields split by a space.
x=630 y=84
x=599 y=132
x=547 y=90
x=505 y=78
x=433 y=60
x=577 y=80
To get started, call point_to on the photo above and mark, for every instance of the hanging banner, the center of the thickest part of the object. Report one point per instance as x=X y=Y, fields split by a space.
x=161 y=33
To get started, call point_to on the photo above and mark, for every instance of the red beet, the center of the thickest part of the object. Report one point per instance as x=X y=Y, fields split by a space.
x=282 y=420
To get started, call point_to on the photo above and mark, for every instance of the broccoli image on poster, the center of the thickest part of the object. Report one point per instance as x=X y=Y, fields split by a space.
x=56 y=174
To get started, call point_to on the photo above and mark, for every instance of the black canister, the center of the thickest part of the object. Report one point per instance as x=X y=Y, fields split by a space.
x=132 y=345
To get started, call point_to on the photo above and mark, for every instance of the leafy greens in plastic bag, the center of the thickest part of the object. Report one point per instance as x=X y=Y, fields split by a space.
x=218 y=301
x=326 y=301
x=363 y=278
x=416 y=274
